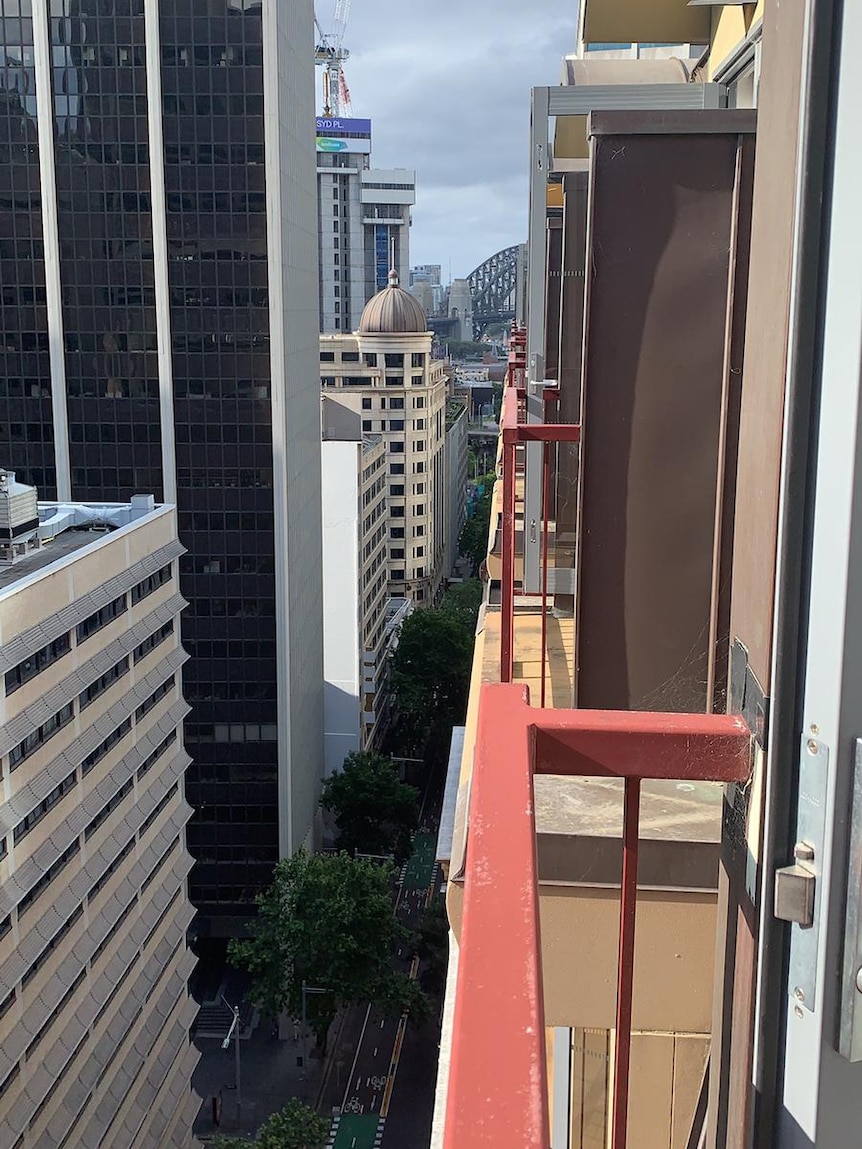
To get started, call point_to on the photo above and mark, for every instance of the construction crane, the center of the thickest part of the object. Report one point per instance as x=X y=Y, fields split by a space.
x=330 y=54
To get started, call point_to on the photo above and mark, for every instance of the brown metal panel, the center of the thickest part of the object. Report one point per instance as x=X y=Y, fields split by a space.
x=755 y=541
x=570 y=363
x=552 y=294
x=767 y=335
x=661 y=261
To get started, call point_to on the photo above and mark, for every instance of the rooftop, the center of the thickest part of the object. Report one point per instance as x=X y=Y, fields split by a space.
x=65 y=528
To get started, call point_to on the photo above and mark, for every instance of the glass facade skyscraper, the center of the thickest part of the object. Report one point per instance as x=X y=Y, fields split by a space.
x=156 y=338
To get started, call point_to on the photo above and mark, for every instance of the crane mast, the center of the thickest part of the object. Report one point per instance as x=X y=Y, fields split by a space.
x=330 y=54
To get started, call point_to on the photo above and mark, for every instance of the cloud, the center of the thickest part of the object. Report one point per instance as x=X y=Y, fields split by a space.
x=447 y=86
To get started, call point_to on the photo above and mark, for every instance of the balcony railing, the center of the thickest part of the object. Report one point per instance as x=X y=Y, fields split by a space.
x=498 y=1089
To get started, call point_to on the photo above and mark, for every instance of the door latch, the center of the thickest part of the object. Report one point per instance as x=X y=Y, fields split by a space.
x=794 y=888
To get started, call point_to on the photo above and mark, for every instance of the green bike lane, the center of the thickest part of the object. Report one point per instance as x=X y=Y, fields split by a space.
x=353 y=1131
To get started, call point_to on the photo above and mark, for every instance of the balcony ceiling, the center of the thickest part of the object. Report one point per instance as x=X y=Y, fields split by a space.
x=634 y=21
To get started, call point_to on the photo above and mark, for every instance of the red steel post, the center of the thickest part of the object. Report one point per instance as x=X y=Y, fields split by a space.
x=626 y=966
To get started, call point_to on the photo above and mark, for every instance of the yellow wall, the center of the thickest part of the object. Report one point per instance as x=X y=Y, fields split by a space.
x=730 y=26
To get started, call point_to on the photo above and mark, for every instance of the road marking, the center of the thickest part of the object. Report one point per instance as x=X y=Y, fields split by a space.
x=393 y=1067
x=382 y=1022
x=375 y=1050
x=356 y=1056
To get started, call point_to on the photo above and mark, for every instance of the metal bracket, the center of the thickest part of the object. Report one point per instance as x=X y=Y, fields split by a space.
x=798 y=883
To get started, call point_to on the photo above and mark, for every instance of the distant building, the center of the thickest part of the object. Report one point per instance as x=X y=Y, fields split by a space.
x=461 y=308
x=456 y=477
x=401 y=391
x=364 y=213
x=94 y=909
x=355 y=544
x=425 y=273
x=424 y=292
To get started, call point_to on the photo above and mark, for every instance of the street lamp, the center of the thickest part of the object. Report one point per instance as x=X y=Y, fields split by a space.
x=233 y=1032
x=306 y=990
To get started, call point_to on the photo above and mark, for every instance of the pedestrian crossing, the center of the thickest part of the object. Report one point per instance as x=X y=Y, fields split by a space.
x=349 y=1131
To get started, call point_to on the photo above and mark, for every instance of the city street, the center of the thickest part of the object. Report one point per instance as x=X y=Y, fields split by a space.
x=369 y=1081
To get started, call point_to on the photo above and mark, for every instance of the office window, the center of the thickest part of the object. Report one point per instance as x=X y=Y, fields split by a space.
x=366 y=402
x=102 y=683
x=154 y=640
x=108 y=744
x=396 y=468
x=37 y=662
x=417 y=359
x=38 y=737
x=48 y=802
x=100 y=618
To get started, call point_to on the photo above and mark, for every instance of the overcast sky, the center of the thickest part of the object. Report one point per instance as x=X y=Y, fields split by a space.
x=446 y=84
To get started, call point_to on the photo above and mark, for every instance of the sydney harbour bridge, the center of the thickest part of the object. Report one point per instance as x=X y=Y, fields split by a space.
x=493 y=291
x=494 y=287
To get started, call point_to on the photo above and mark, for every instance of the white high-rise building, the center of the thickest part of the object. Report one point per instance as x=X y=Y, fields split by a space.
x=364 y=216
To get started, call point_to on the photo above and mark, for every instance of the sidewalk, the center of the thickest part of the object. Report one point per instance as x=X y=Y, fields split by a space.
x=269 y=1078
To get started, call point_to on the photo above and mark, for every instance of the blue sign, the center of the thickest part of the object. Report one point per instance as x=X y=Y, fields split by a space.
x=335 y=126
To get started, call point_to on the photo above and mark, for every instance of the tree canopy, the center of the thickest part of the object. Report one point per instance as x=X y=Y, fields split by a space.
x=432 y=945
x=375 y=812
x=328 y=920
x=473 y=540
x=297 y=1126
x=431 y=670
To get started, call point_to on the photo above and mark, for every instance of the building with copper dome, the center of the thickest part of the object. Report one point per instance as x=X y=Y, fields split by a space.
x=385 y=371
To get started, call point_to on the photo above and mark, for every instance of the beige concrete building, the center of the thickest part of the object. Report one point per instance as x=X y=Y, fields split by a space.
x=401 y=391
x=94 y=966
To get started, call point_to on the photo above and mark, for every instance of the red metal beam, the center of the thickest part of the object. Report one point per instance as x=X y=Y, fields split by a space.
x=626 y=963
x=542 y=433
x=641 y=744
x=507 y=574
x=497 y=1097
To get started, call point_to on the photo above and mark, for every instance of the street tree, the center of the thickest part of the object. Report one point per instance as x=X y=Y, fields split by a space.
x=432 y=945
x=431 y=671
x=327 y=920
x=375 y=812
x=462 y=600
x=473 y=540
x=297 y=1126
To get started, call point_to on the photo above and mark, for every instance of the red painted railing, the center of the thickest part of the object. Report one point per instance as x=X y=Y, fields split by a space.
x=515 y=433
x=498 y=1090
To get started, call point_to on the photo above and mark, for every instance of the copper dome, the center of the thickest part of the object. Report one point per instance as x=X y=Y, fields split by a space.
x=392 y=311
